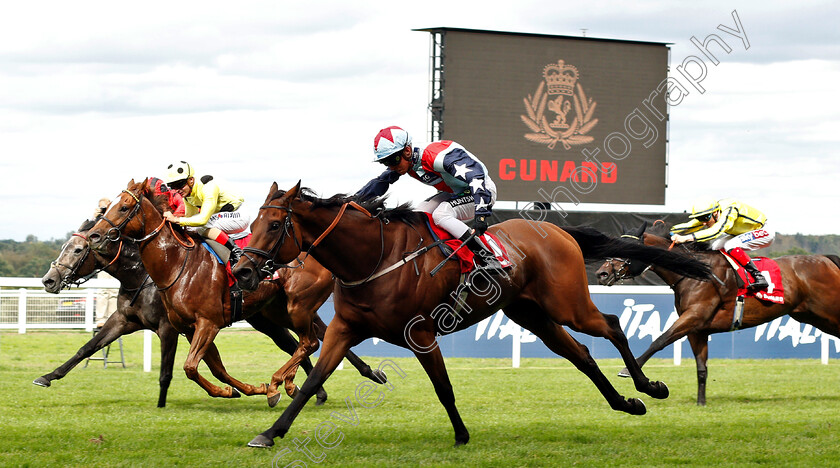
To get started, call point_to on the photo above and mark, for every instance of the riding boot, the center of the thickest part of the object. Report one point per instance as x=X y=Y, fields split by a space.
x=235 y=252
x=759 y=281
x=487 y=260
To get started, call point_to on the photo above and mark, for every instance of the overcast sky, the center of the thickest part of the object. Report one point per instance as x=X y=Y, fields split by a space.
x=93 y=94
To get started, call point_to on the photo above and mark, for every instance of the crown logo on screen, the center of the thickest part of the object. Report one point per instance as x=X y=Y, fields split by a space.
x=560 y=78
x=561 y=94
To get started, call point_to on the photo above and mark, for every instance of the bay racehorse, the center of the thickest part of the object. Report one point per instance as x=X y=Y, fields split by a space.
x=140 y=307
x=545 y=291
x=811 y=291
x=196 y=294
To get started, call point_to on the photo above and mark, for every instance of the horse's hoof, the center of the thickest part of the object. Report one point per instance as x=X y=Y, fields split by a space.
x=320 y=401
x=41 y=382
x=624 y=373
x=261 y=441
x=459 y=441
x=274 y=399
x=637 y=406
x=234 y=393
x=379 y=376
x=659 y=390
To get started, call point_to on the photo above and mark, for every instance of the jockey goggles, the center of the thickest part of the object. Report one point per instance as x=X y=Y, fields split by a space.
x=392 y=160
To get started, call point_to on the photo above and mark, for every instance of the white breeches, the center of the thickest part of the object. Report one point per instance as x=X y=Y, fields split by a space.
x=449 y=211
x=751 y=240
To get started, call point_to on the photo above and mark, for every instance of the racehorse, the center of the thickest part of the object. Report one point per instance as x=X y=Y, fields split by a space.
x=546 y=290
x=139 y=305
x=811 y=291
x=195 y=292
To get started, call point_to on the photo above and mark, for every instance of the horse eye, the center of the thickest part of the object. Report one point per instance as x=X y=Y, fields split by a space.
x=275 y=225
x=78 y=250
x=124 y=208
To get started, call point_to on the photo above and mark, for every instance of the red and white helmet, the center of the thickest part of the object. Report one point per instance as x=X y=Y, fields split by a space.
x=388 y=141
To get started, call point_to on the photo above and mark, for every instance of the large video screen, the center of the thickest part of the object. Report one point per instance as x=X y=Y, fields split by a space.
x=559 y=119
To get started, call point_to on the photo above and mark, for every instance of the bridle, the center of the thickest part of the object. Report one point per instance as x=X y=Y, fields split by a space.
x=72 y=270
x=269 y=267
x=115 y=232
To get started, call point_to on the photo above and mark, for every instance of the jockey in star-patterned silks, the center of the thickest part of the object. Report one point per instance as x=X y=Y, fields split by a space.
x=465 y=190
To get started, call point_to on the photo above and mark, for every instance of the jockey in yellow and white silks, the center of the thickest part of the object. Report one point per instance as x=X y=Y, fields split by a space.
x=731 y=226
x=210 y=211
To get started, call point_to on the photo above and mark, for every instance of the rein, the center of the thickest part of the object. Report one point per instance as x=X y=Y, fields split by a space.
x=289 y=231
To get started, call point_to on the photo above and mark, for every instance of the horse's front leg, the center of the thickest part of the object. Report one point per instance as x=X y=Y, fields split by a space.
x=214 y=363
x=201 y=338
x=307 y=345
x=364 y=369
x=691 y=319
x=337 y=341
x=115 y=327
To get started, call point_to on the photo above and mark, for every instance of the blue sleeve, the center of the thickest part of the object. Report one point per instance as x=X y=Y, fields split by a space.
x=379 y=185
x=463 y=166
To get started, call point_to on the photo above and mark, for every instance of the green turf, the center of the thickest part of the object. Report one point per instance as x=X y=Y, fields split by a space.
x=760 y=412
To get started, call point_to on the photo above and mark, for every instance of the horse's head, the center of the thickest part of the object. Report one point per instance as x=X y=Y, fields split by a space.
x=274 y=241
x=74 y=262
x=121 y=220
x=614 y=270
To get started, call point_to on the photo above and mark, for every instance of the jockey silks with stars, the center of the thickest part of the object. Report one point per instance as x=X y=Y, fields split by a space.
x=465 y=189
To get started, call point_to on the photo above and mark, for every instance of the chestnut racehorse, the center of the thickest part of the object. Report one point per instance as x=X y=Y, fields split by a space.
x=196 y=295
x=139 y=305
x=545 y=291
x=812 y=295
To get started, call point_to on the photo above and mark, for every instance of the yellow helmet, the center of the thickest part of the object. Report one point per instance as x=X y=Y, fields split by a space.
x=704 y=207
x=178 y=171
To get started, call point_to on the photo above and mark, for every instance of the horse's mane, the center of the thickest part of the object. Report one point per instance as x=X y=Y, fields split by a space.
x=376 y=205
x=664 y=231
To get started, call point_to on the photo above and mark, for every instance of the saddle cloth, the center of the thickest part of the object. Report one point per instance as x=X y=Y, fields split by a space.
x=770 y=270
x=222 y=254
x=465 y=255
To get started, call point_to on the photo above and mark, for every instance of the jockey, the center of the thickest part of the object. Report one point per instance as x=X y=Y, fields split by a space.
x=731 y=226
x=209 y=210
x=465 y=190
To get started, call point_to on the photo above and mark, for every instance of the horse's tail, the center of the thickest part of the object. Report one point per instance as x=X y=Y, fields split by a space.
x=596 y=245
x=834 y=259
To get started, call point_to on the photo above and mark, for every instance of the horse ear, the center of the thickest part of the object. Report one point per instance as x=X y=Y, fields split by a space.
x=147 y=187
x=271 y=191
x=641 y=229
x=131 y=184
x=294 y=191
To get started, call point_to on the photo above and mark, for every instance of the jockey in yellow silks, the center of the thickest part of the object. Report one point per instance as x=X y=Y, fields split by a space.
x=731 y=226
x=210 y=211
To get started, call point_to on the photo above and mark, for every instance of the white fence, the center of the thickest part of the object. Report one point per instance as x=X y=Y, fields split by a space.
x=24 y=305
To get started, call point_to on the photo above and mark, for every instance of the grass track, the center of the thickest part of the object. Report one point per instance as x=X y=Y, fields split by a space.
x=760 y=413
